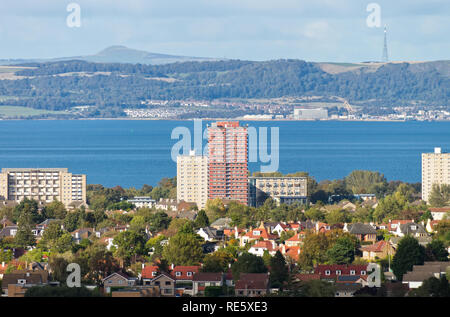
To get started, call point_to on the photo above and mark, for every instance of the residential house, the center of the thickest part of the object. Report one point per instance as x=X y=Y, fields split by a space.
x=203 y=280
x=82 y=233
x=295 y=240
x=260 y=233
x=346 y=290
x=420 y=273
x=431 y=225
x=221 y=223
x=165 y=282
x=439 y=213
x=183 y=276
x=119 y=280
x=364 y=232
x=260 y=247
x=252 y=285
x=331 y=272
x=411 y=229
x=167 y=204
x=148 y=273
x=210 y=234
x=22 y=280
x=378 y=250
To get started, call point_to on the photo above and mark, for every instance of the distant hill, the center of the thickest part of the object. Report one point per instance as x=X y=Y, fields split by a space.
x=117 y=54
x=62 y=85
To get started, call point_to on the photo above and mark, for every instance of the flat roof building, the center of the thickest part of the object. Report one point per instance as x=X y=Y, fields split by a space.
x=228 y=162
x=192 y=179
x=43 y=185
x=435 y=170
x=284 y=190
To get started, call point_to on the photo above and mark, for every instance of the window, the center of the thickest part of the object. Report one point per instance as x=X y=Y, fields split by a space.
x=327 y=272
x=338 y=272
x=177 y=273
x=352 y=272
x=189 y=273
x=363 y=272
x=168 y=283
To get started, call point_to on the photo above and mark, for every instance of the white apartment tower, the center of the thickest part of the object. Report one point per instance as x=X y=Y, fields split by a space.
x=192 y=179
x=435 y=170
x=43 y=185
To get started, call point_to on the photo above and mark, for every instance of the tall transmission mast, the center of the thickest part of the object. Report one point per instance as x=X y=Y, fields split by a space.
x=385 y=58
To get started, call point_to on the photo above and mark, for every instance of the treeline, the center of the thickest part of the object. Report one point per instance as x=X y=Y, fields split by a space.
x=128 y=84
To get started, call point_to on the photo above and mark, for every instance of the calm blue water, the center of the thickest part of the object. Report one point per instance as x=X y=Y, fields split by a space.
x=133 y=153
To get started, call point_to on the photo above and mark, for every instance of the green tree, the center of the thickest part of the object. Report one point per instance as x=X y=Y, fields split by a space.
x=28 y=207
x=278 y=270
x=72 y=221
x=129 y=245
x=432 y=287
x=436 y=251
x=409 y=253
x=54 y=210
x=439 y=195
x=363 y=182
x=317 y=288
x=24 y=237
x=201 y=220
x=216 y=262
x=183 y=249
x=343 y=250
x=51 y=235
x=247 y=263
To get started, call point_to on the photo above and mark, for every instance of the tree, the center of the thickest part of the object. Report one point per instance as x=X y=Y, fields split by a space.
x=439 y=195
x=432 y=287
x=183 y=249
x=129 y=244
x=24 y=237
x=409 y=253
x=29 y=207
x=159 y=221
x=436 y=251
x=314 y=250
x=337 y=216
x=72 y=221
x=278 y=270
x=363 y=182
x=216 y=262
x=201 y=220
x=343 y=251
x=51 y=235
x=247 y=263
x=317 y=288
x=54 y=210
x=58 y=266
x=215 y=209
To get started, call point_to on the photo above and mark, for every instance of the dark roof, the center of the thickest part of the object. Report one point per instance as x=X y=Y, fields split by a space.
x=348 y=278
x=412 y=228
x=205 y=277
x=30 y=277
x=6 y=232
x=361 y=228
x=253 y=281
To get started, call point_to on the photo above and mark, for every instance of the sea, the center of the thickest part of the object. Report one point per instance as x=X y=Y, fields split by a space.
x=131 y=153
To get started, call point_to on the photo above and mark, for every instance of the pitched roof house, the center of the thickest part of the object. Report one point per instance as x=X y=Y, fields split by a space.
x=252 y=284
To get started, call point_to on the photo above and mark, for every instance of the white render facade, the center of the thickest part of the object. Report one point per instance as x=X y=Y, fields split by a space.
x=192 y=179
x=435 y=170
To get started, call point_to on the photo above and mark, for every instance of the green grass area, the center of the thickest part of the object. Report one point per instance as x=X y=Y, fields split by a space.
x=15 y=111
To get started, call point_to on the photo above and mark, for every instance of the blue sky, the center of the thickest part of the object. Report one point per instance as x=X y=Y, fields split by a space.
x=313 y=30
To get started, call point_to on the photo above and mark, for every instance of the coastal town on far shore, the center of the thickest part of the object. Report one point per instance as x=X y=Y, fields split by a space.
x=217 y=230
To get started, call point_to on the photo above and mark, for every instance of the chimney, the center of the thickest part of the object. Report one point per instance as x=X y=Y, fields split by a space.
x=143 y=265
x=3 y=264
x=236 y=232
x=172 y=266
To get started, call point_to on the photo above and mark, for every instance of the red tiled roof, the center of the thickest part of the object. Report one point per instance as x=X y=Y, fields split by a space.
x=293 y=252
x=264 y=234
x=148 y=270
x=441 y=209
x=344 y=268
x=264 y=245
x=183 y=272
x=376 y=247
x=308 y=277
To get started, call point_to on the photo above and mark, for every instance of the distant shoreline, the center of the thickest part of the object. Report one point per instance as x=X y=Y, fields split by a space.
x=219 y=119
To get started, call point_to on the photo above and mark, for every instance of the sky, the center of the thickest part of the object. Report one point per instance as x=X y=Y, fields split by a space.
x=311 y=30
